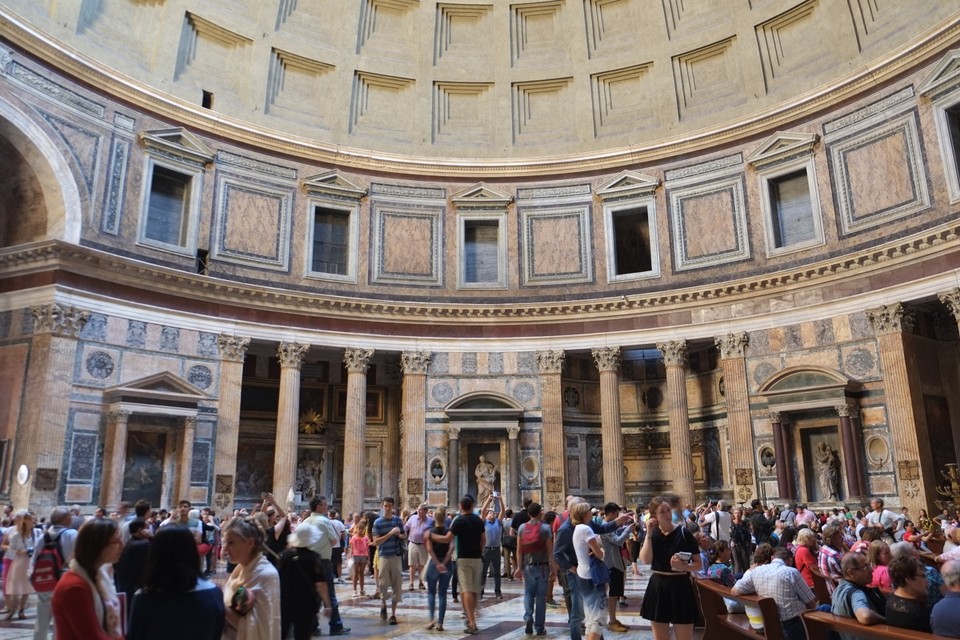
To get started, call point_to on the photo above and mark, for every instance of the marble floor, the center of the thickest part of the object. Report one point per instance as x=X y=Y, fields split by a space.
x=495 y=619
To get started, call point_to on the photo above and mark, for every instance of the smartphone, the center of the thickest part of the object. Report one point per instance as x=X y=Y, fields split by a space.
x=685 y=555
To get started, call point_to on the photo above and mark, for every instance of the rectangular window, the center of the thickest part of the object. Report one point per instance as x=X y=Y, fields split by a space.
x=791 y=209
x=953 y=124
x=331 y=241
x=481 y=251
x=631 y=240
x=168 y=207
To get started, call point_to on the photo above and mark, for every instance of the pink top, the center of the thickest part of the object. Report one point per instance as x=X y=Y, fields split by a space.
x=881 y=578
x=360 y=546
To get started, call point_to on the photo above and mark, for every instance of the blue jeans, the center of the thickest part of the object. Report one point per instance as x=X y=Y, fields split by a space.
x=326 y=567
x=437 y=583
x=576 y=607
x=594 y=599
x=535 y=594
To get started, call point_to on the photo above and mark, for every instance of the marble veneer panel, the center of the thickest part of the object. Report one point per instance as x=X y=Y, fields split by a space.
x=709 y=221
x=252 y=222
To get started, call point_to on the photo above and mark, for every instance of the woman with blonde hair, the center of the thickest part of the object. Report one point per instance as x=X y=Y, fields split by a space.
x=673 y=554
x=252 y=592
x=878 y=554
x=18 y=583
x=586 y=543
x=805 y=557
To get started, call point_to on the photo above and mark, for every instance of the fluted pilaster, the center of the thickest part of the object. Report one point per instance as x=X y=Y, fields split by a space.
x=43 y=424
x=415 y=365
x=554 y=453
x=355 y=431
x=114 y=458
x=904 y=402
x=512 y=493
x=675 y=359
x=185 y=459
x=736 y=396
x=291 y=357
x=233 y=351
x=608 y=362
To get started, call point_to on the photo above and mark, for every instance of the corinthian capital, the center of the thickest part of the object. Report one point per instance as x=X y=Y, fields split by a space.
x=607 y=358
x=414 y=362
x=59 y=320
x=550 y=361
x=291 y=354
x=357 y=360
x=674 y=353
x=232 y=348
x=951 y=300
x=892 y=318
x=846 y=410
x=732 y=345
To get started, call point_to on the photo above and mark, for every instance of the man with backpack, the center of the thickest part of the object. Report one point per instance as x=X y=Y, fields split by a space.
x=48 y=563
x=534 y=553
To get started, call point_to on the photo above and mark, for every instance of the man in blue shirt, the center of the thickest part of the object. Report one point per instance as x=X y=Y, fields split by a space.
x=387 y=534
x=493 y=526
x=852 y=598
x=945 y=619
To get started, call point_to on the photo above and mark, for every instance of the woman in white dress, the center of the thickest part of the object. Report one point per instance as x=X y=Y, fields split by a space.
x=18 y=584
x=252 y=592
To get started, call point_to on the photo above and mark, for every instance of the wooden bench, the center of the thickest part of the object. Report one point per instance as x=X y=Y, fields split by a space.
x=721 y=625
x=820 y=624
x=820 y=585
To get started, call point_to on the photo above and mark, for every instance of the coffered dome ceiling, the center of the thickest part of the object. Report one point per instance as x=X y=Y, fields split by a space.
x=417 y=85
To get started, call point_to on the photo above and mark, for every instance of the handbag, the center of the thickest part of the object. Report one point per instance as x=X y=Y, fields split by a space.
x=599 y=572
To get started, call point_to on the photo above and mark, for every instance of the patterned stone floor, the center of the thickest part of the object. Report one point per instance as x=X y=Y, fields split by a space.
x=495 y=619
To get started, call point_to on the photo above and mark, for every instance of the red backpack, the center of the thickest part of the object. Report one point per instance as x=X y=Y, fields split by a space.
x=531 y=540
x=48 y=566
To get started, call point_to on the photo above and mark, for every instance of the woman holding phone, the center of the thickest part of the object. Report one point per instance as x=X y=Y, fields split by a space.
x=673 y=554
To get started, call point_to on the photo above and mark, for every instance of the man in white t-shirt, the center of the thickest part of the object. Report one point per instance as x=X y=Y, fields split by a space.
x=719 y=519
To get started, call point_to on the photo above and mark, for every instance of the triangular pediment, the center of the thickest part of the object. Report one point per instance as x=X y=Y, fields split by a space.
x=179 y=143
x=163 y=387
x=628 y=184
x=781 y=145
x=481 y=195
x=333 y=183
x=944 y=77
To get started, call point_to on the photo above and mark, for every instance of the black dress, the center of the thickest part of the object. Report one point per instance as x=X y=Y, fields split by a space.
x=908 y=614
x=670 y=598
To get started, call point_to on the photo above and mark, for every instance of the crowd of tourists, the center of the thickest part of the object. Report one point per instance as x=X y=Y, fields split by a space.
x=130 y=573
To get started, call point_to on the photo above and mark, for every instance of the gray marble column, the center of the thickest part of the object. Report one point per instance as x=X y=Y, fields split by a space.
x=414 y=446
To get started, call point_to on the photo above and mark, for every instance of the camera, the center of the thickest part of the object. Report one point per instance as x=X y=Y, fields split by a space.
x=495 y=494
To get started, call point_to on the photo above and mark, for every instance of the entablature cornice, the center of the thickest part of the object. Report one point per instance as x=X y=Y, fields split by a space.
x=57 y=256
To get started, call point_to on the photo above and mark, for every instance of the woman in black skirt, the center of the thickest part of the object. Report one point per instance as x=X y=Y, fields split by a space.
x=673 y=553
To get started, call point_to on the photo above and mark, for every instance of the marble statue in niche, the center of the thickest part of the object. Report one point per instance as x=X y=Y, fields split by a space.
x=486 y=474
x=828 y=471
x=308 y=475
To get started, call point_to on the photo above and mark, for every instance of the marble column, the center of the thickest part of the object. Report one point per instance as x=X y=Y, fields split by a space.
x=291 y=357
x=554 y=446
x=733 y=364
x=916 y=482
x=185 y=459
x=849 y=451
x=856 y=428
x=114 y=458
x=414 y=452
x=780 y=452
x=608 y=362
x=675 y=359
x=233 y=350
x=512 y=494
x=453 y=468
x=355 y=430
x=41 y=439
